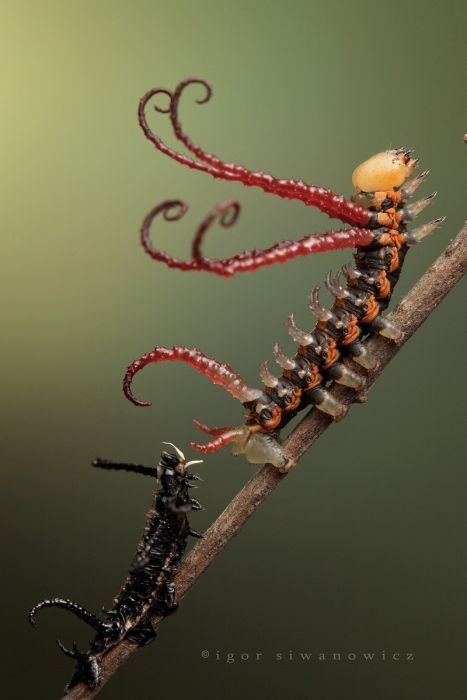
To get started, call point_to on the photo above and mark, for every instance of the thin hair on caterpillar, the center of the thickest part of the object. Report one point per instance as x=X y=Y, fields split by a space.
x=148 y=589
x=335 y=350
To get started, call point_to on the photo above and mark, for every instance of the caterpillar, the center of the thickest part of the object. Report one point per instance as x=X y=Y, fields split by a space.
x=148 y=589
x=367 y=211
x=383 y=184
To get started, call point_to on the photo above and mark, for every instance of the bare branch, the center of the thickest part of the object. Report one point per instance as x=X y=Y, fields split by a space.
x=412 y=311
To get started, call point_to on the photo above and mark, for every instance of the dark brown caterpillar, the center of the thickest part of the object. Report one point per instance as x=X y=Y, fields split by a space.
x=382 y=189
x=148 y=589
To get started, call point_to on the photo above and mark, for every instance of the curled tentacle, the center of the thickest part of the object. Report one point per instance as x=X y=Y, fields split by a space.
x=157 y=141
x=227 y=213
x=219 y=373
x=222 y=436
x=74 y=608
x=171 y=210
x=208 y=430
x=336 y=206
x=248 y=261
x=163 y=91
x=183 y=137
x=230 y=435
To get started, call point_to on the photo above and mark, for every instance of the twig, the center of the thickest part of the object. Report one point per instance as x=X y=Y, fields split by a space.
x=412 y=311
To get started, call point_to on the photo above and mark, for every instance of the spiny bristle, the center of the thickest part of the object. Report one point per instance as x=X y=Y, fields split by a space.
x=282 y=359
x=411 y=186
x=413 y=210
x=266 y=377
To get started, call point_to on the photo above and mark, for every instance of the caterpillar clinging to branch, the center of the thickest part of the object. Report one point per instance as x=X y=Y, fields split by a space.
x=148 y=588
x=383 y=185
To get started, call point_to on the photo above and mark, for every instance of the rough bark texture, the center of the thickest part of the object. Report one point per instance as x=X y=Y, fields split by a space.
x=412 y=311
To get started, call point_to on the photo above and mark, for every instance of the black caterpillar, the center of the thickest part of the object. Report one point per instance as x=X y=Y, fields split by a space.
x=148 y=589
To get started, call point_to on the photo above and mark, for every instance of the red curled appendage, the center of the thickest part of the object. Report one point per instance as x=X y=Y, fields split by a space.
x=222 y=437
x=219 y=373
x=227 y=214
x=336 y=206
x=173 y=210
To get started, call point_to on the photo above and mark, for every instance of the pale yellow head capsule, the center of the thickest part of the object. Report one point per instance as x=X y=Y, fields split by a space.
x=383 y=171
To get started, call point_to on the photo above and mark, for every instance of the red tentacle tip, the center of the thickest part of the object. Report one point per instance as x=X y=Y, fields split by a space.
x=204 y=448
x=222 y=437
x=127 y=380
x=208 y=430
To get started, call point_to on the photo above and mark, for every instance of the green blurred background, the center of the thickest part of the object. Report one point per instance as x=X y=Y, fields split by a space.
x=362 y=548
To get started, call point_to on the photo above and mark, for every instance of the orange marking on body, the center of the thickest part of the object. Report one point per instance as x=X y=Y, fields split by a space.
x=385 y=239
x=392 y=214
x=275 y=420
x=373 y=310
x=395 y=218
x=315 y=378
x=384 y=219
x=397 y=238
x=385 y=285
x=295 y=401
x=353 y=331
x=395 y=260
x=333 y=354
x=379 y=198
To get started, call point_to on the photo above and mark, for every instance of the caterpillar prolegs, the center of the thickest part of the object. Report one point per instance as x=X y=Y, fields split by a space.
x=383 y=184
x=148 y=589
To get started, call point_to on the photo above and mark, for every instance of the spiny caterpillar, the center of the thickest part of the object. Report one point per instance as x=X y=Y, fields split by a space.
x=382 y=184
x=148 y=589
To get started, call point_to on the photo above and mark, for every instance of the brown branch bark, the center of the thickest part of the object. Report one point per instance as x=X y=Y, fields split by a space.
x=412 y=311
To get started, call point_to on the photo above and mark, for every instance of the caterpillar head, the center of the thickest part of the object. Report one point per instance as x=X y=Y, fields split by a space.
x=171 y=463
x=384 y=171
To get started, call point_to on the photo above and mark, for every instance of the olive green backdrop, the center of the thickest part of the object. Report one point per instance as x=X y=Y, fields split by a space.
x=362 y=549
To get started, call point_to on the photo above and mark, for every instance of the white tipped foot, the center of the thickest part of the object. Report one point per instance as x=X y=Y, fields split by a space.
x=365 y=359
